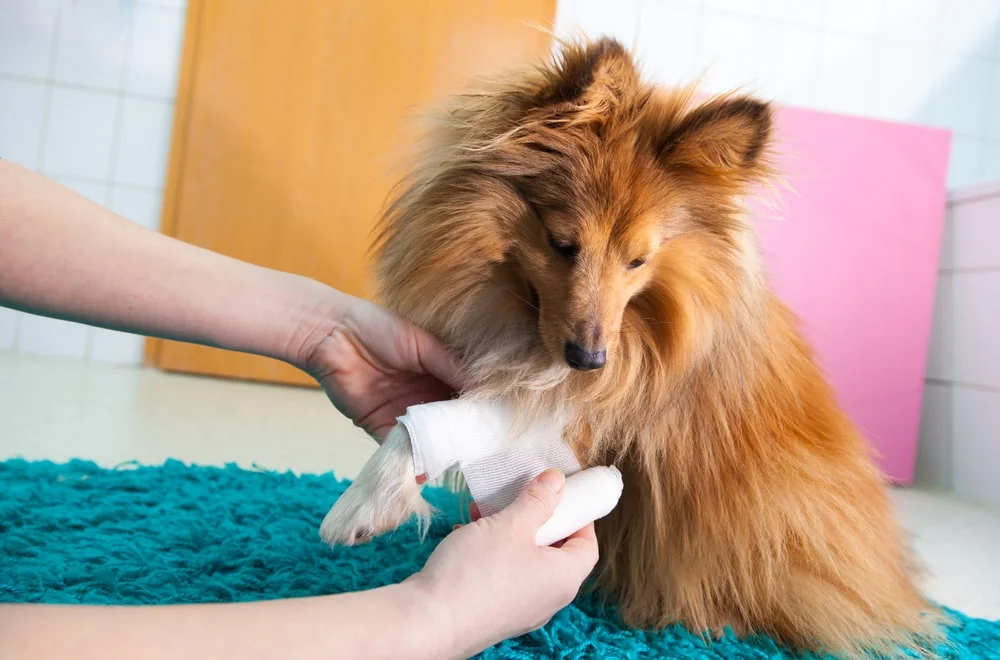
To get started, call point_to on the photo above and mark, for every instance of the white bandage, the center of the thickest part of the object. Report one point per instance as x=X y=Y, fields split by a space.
x=497 y=461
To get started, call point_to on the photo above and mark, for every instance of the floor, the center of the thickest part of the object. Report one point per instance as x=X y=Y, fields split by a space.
x=56 y=409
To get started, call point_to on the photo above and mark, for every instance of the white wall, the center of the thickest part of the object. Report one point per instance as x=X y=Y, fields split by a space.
x=87 y=89
x=87 y=97
x=933 y=62
x=960 y=429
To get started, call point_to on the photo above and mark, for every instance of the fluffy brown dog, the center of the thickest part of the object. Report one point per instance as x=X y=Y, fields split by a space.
x=578 y=237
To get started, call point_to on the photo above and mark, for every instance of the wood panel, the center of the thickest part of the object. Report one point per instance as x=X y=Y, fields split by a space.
x=291 y=124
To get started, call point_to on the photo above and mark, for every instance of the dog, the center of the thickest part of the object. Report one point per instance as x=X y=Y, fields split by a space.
x=577 y=236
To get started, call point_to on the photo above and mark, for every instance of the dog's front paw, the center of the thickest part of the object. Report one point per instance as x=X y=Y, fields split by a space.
x=362 y=513
x=384 y=496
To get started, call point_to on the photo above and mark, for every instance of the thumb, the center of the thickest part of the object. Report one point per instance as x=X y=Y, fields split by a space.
x=536 y=503
x=437 y=361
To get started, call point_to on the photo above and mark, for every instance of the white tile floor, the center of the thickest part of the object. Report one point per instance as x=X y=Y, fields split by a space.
x=60 y=409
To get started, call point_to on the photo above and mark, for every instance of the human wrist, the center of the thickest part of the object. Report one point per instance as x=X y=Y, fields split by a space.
x=312 y=312
x=428 y=620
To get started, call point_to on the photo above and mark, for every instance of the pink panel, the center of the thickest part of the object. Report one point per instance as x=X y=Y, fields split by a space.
x=854 y=251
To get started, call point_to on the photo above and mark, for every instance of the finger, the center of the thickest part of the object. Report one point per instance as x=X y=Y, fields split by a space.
x=537 y=502
x=437 y=361
x=582 y=547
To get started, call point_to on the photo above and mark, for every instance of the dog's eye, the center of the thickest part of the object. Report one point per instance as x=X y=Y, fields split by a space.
x=635 y=263
x=568 y=250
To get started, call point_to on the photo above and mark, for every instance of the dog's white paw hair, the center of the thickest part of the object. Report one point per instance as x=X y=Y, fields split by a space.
x=384 y=496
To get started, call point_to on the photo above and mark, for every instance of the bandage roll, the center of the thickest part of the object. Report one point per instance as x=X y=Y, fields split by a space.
x=588 y=495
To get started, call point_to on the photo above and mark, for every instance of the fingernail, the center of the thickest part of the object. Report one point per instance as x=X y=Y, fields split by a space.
x=421 y=479
x=552 y=479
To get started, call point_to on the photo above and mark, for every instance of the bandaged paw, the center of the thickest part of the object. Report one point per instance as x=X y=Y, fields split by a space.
x=498 y=460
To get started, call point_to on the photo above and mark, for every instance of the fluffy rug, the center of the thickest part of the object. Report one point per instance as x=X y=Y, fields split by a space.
x=76 y=533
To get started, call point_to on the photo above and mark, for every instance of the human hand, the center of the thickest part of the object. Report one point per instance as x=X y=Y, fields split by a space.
x=489 y=579
x=374 y=364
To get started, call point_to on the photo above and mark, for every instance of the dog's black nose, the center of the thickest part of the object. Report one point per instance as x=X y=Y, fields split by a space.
x=583 y=360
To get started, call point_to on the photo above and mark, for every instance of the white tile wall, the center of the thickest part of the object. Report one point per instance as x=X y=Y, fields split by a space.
x=87 y=89
x=81 y=126
x=22 y=113
x=937 y=421
x=925 y=61
x=141 y=158
x=976 y=458
x=960 y=428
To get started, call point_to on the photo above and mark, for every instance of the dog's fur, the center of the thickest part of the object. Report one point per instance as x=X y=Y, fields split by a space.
x=574 y=203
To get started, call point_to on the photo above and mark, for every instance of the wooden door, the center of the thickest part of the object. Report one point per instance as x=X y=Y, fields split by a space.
x=291 y=117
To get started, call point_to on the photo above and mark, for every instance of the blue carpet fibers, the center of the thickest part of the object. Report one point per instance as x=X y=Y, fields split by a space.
x=76 y=533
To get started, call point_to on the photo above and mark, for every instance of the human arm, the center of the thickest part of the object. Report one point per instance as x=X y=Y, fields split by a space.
x=63 y=256
x=485 y=582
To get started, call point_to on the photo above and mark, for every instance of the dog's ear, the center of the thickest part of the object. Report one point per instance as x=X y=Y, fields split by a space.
x=725 y=135
x=587 y=74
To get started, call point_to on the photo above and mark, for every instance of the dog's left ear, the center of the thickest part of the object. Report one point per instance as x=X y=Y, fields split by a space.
x=590 y=73
x=725 y=136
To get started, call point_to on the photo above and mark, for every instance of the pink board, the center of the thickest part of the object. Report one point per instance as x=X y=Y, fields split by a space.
x=854 y=251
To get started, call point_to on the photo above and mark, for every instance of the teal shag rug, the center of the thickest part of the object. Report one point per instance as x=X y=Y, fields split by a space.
x=76 y=533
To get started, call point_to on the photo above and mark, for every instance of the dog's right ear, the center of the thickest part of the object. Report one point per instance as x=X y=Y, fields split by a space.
x=585 y=75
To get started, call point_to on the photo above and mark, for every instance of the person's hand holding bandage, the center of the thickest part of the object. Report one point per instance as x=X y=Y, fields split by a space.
x=498 y=462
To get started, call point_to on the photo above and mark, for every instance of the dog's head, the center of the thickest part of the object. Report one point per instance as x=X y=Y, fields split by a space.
x=572 y=206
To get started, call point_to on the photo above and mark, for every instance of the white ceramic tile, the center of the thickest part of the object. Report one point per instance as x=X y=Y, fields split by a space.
x=976 y=458
x=141 y=206
x=941 y=354
x=143 y=142
x=38 y=335
x=155 y=54
x=947 y=242
x=27 y=32
x=113 y=347
x=966 y=163
x=863 y=17
x=934 y=466
x=22 y=114
x=969 y=27
x=904 y=83
x=667 y=44
x=750 y=7
x=595 y=18
x=800 y=12
x=8 y=328
x=730 y=50
x=80 y=132
x=912 y=22
x=847 y=74
x=991 y=160
x=95 y=191
x=976 y=234
x=993 y=126
x=962 y=95
x=91 y=42
x=175 y=4
x=789 y=63
x=977 y=328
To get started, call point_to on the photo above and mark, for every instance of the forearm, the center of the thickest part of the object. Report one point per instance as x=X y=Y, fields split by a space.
x=61 y=255
x=391 y=622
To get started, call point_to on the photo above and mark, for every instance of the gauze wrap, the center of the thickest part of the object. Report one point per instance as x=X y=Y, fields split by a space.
x=498 y=461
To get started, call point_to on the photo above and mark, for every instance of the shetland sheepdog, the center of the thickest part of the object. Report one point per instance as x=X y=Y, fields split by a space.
x=578 y=237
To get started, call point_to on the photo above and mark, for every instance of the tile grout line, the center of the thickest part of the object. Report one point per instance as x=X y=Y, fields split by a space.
x=43 y=135
x=969 y=270
x=87 y=88
x=962 y=385
x=88 y=353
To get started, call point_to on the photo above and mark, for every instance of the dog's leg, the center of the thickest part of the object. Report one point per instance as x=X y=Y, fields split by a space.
x=382 y=498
